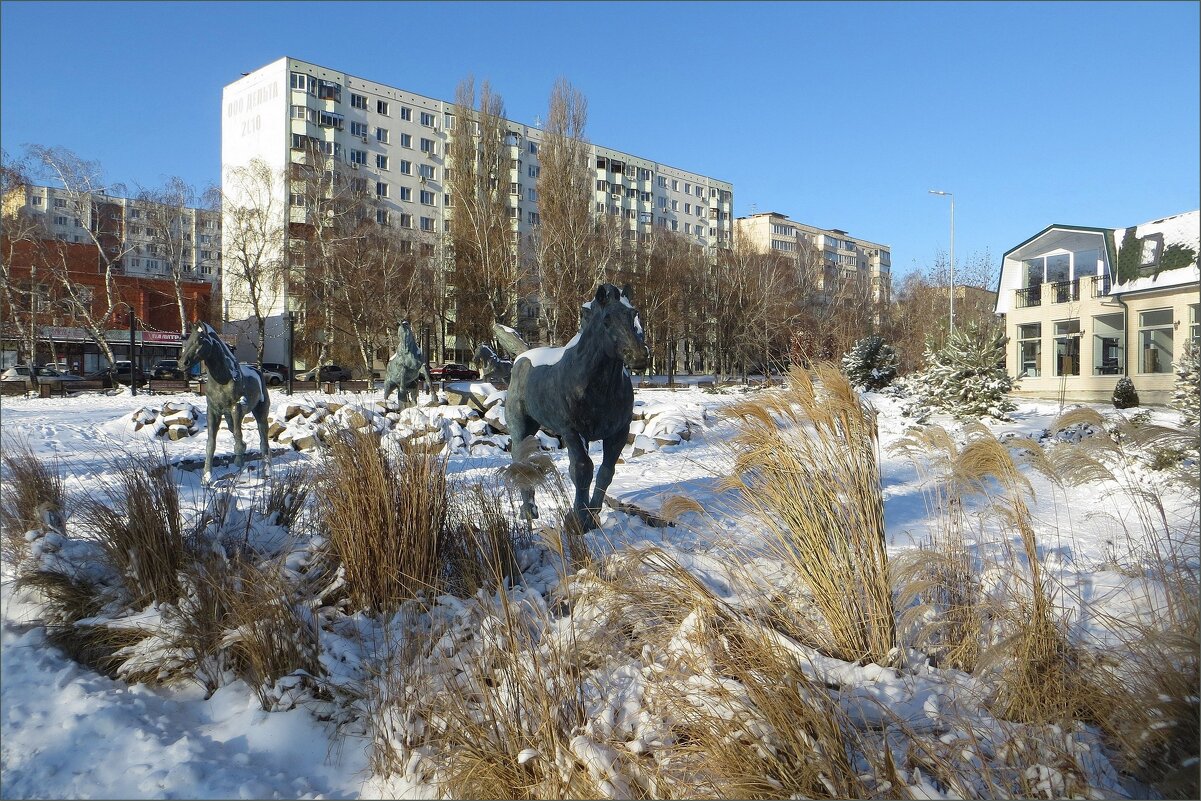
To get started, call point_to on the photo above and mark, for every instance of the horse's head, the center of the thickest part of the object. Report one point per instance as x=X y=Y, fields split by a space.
x=615 y=316
x=196 y=347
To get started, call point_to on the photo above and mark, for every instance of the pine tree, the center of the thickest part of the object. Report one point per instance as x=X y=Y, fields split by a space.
x=1186 y=398
x=967 y=377
x=870 y=363
x=1124 y=394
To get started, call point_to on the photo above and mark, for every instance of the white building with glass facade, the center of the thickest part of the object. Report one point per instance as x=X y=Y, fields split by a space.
x=398 y=141
x=1075 y=329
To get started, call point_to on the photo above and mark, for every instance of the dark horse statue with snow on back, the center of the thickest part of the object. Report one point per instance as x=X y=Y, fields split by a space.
x=582 y=392
x=406 y=366
x=231 y=390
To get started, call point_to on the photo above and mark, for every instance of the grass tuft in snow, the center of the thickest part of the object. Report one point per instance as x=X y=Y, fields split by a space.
x=807 y=470
x=32 y=497
x=383 y=517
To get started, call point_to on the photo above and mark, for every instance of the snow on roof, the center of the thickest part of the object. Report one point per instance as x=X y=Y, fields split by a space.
x=1179 y=229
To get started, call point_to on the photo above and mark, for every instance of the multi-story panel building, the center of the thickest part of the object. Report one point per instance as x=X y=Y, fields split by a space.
x=143 y=237
x=1077 y=325
x=837 y=259
x=398 y=142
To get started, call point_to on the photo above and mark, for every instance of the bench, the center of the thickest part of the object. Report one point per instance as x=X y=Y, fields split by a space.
x=172 y=386
x=14 y=388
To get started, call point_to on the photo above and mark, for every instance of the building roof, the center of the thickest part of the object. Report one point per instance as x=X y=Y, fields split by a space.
x=1179 y=229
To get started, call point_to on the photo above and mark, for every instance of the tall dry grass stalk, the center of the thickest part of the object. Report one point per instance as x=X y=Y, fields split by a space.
x=384 y=517
x=807 y=470
x=531 y=469
x=287 y=494
x=32 y=491
x=137 y=522
x=480 y=540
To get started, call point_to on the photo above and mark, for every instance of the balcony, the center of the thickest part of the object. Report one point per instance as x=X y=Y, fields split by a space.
x=1066 y=291
x=1100 y=285
x=1030 y=296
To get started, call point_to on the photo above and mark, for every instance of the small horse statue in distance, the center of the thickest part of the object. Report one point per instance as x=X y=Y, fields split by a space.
x=406 y=366
x=492 y=367
x=230 y=390
x=582 y=392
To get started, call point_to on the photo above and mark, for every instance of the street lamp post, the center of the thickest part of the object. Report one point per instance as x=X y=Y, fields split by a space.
x=951 y=292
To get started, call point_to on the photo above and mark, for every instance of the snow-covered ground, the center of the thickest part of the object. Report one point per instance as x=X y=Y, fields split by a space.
x=69 y=732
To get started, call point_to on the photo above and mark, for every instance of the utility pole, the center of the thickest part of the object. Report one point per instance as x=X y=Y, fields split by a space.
x=291 y=339
x=133 y=365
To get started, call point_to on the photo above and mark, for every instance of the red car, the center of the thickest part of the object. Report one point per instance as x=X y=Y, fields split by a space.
x=453 y=371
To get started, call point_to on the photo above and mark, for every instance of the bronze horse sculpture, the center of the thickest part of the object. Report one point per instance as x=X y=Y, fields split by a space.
x=231 y=390
x=582 y=392
x=406 y=366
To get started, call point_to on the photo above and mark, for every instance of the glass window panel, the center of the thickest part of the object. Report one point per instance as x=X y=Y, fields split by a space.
x=1058 y=267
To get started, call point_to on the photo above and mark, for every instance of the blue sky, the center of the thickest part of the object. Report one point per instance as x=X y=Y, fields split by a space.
x=841 y=115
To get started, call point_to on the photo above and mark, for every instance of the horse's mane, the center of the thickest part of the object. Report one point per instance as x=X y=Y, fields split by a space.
x=231 y=361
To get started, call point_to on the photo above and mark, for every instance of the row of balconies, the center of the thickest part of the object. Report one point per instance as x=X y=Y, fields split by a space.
x=1061 y=291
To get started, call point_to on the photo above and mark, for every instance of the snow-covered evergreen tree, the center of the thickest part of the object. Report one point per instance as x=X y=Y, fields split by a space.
x=1124 y=394
x=1186 y=398
x=967 y=377
x=870 y=363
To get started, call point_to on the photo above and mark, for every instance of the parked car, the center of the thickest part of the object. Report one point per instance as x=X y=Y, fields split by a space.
x=272 y=377
x=276 y=367
x=119 y=373
x=167 y=369
x=60 y=367
x=453 y=371
x=22 y=372
x=326 y=372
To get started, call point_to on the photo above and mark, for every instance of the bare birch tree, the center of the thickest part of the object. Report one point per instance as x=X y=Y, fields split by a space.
x=93 y=305
x=20 y=298
x=252 y=233
x=170 y=213
x=574 y=246
x=485 y=273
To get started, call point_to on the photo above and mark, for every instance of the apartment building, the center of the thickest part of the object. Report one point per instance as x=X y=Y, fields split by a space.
x=844 y=260
x=1077 y=324
x=397 y=141
x=131 y=230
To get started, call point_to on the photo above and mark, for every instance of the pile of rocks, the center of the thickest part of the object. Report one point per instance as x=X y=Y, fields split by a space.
x=175 y=420
x=657 y=425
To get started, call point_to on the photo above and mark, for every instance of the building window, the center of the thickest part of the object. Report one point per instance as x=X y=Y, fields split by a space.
x=1067 y=347
x=328 y=120
x=381 y=135
x=406 y=113
x=675 y=185
x=1194 y=324
x=381 y=161
x=427 y=224
x=358 y=129
x=406 y=221
x=381 y=216
x=662 y=182
x=381 y=107
x=328 y=90
x=534 y=219
x=531 y=195
x=381 y=189
x=427 y=146
x=427 y=119
x=427 y=198
x=406 y=140
x=1030 y=350
x=446 y=201
x=406 y=167
x=534 y=171
x=675 y=205
x=358 y=156
x=406 y=194
x=1155 y=330
x=60 y=203
x=60 y=220
x=1109 y=343
x=358 y=101
x=427 y=171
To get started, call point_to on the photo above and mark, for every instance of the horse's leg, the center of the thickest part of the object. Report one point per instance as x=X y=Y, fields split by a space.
x=520 y=427
x=260 y=418
x=604 y=476
x=581 y=476
x=214 y=423
x=234 y=418
x=388 y=387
